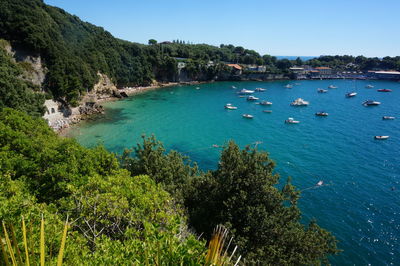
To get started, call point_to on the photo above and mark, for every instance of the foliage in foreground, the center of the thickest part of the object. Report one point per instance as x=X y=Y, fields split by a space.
x=242 y=195
x=115 y=218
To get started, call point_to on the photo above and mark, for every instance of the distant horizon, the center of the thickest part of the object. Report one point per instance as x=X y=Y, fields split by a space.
x=275 y=28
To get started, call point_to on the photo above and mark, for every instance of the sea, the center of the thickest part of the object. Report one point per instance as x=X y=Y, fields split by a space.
x=294 y=57
x=359 y=199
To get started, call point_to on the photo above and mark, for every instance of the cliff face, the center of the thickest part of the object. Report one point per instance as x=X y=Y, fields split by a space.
x=33 y=69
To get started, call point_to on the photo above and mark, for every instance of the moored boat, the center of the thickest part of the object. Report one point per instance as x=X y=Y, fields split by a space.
x=265 y=103
x=290 y=120
x=289 y=86
x=381 y=137
x=388 y=117
x=351 y=94
x=230 y=107
x=299 y=102
x=370 y=103
x=384 y=90
x=247 y=116
x=244 y=91
x=252 y=98
x=321 y=114
x=322 y=90
x=260 y=89
x=267 y=111
x=332 y=87
x=369 y=86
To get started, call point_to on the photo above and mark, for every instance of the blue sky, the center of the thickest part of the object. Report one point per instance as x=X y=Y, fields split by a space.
x=280 y=27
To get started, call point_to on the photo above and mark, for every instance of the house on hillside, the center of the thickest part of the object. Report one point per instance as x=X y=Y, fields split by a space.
x=236 y=69
x=324 y=70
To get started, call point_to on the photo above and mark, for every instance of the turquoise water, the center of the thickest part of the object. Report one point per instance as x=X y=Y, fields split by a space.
x=360 y=200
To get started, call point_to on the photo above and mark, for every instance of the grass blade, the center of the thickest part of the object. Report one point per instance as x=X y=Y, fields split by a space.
x=64 y=238
x=10 y=249
x=25 y=242
x=15 y=243
x=42 y=242
x=3 y=250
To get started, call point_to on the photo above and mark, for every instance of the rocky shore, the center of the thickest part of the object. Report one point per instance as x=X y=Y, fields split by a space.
x=60 y=116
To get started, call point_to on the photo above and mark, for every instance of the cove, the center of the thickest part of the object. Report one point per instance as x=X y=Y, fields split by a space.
x=359 y=201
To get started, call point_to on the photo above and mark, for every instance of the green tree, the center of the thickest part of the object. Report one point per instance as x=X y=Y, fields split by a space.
x=152 y=42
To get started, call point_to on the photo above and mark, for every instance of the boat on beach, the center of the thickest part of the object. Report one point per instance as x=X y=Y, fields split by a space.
x=371 y=103
x=230 y=107
x=384 y=90
x=260 y=89
x=351 y=94
x=299 y=102
x=252 y=98
x=247 y=116
x=388 y=117
x=290 y=120
x=381 y=137
x=244 y=91
x=332 y=87
x=321 y=90
x=321 y=113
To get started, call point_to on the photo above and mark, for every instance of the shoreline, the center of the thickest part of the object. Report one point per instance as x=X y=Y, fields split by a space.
x=62 y=125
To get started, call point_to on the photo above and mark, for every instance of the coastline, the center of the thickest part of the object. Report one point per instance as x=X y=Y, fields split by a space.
x=82 y=112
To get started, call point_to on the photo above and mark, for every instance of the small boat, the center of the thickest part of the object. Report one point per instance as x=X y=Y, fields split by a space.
x=197 y=88
x=260 y=89
x=332 y=87
x=320 y=183
x=233 y=87
x=265 y=103
x=384 y=90
x=351 y=94
x=267 y=111
x=252 y=98
x=381 y=137
x=370 y=103
x=322 y=90
x=299 y=102
x=247 y=116
x=244 y=91
x=289 y=86
x=369 y=86
x=388 y=118
x=230 y=107
x=321 y=114
x=290 y=120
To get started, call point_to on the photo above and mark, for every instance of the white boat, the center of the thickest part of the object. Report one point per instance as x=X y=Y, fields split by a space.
x=244 y=91
x=351 y=94
x=260 y=89
x=265 y=103
x=381 y=137
x=290 y=120
x=247 y=116
x=197 y=88
x=370 y=103
x=388 y=118
x=299 y=102
x=230 y=107
x=252 y=98
x=289 y=86
x=322 y=90
x=267 y=111
x=332 y=87
x=233 y=87
x=369 y=86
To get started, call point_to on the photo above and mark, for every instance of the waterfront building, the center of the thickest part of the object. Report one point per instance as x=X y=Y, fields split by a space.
x=237 y=70
x=324 y=70
x=389 y=75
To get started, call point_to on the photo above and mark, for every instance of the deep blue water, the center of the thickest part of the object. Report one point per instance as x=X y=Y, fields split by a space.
x=294 y=57
x=360 y=200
